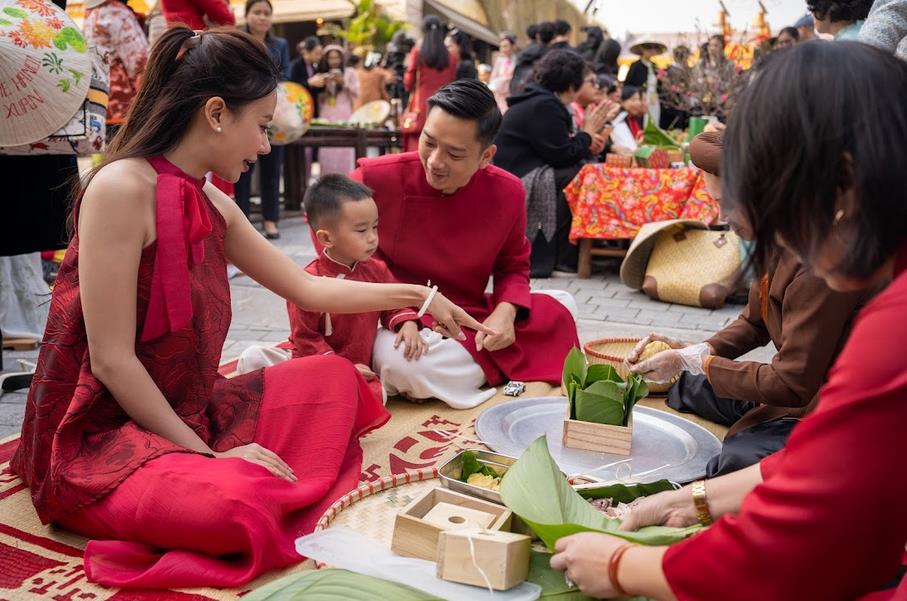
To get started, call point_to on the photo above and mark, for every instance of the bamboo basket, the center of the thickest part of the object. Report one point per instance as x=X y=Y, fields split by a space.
x=613 y=352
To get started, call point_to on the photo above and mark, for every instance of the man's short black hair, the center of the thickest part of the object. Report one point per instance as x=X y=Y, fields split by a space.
x=470 y=99
x=562 y=27
x=310 y=43
x=532 y=31
x=546 y=32
x=560 y=69
x=324 y=198
x=839 y=10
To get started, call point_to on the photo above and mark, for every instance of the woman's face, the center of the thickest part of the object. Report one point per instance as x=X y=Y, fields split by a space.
x=589 y=92
x=785 y=40
x=244 y=137
x=614 y=95
x=335 y=60
x=716 y=49
x=506 y=47
x=733 y=217
x=635 y=105
x=259 y=18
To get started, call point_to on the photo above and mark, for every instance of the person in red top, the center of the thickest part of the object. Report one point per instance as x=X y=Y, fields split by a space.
x=448 y=215
x=182 y=477
x=344 y=217
x=825 y=517
x=430 y=66
x=198 y=14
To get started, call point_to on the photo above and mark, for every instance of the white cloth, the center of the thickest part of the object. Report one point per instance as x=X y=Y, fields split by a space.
x=447 y=372
x=257 y=357
x=24 y=296
x=622 y=136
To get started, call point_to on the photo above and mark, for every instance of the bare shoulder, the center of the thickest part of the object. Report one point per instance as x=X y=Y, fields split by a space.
x=120 y=194
x=223 y=203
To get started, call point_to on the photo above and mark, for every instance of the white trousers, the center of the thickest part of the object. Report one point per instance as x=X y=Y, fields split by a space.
x=447 y=372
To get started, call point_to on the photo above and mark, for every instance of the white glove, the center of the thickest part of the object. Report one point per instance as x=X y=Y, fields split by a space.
x=665 y=366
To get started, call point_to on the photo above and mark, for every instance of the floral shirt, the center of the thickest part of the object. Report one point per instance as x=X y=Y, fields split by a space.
x=115 y=31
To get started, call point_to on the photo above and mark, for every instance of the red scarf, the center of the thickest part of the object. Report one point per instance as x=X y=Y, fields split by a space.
x=183 y=223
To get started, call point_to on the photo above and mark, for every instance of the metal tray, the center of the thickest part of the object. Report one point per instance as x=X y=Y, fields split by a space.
x=664 y=445
x=449 y=473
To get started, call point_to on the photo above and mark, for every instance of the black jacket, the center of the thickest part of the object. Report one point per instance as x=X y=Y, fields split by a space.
x=638 y=75
x=525 y=63
x=536 y=132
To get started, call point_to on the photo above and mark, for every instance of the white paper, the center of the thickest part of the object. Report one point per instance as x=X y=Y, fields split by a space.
x=347 y=550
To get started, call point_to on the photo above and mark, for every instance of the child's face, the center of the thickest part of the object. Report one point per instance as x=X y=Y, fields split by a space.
x=354 y=235
x=335 y=60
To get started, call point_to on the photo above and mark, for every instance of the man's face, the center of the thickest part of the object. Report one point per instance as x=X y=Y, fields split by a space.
x=312 y=56
x=450 y=152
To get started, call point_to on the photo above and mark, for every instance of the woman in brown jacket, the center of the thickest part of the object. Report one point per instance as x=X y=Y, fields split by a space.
x=760 y=402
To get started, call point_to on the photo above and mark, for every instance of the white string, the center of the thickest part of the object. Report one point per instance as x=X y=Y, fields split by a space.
x=475 y=562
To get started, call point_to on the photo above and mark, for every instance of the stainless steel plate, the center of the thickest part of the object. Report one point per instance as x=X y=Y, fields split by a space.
x=664 y=445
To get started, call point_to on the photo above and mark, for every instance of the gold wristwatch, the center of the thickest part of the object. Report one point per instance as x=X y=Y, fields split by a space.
x=701 y=503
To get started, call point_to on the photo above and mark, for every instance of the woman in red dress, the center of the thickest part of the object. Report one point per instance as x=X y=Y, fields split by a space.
x=431 y=66
x=181 y=477
x=810 y=165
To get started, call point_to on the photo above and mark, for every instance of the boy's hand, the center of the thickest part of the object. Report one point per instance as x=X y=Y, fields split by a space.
x=414 y=347
x=366 y=371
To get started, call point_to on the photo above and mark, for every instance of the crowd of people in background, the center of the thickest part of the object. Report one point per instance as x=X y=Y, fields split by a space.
x=698 y=81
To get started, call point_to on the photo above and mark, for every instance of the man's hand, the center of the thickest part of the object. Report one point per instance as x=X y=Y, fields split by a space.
x=317 y=80
x=413 y=344
x=366 y=371
x=501 y=321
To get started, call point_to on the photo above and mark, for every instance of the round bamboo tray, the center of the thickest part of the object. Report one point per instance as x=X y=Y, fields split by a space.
x=613 y=352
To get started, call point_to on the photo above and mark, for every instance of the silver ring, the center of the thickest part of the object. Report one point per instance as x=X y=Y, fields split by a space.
x=568 y=581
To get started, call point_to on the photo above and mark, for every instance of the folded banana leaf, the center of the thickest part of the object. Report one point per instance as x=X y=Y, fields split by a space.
x=534 y=489
x=597 y=393
x=655 y=136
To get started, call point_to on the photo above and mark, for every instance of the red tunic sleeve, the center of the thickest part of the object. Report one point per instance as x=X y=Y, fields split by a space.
x=393 y=318
x=829 y=521
x=511 y=267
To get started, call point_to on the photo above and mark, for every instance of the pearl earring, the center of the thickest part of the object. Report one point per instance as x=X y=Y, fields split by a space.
x=219 y=129
x=838 y=216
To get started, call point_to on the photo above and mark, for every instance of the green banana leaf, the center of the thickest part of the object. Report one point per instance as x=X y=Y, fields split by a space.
x=471 y=466
x=341 y=585
x=625 y=493
x=574 y=369
x=601 y=372
x=534 y=489
x=601 y=403
x=653 y=135
x=335 y=585
x=637 y=390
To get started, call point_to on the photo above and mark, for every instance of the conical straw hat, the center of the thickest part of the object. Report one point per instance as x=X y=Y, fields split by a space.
x=45 y=70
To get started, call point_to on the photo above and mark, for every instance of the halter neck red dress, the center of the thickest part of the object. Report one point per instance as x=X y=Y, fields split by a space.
x=163 y=516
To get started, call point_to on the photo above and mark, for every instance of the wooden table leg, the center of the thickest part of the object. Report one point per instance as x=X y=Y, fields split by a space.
x=361 y=141
x=584 y=269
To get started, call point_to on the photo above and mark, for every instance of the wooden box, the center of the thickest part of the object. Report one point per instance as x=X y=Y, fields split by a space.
x=618 y=160
x=600 y=438
x=502 y=556
x=415 y=537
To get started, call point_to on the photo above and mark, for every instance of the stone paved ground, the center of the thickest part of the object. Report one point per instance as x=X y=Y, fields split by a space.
x=607 y=309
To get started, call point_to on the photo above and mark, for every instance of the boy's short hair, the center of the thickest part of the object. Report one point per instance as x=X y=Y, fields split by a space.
x=325 y=197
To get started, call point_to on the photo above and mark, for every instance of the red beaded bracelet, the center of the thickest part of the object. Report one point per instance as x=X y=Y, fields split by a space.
x=613 y=565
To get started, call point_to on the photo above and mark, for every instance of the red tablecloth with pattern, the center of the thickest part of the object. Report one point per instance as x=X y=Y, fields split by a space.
x=613 y=202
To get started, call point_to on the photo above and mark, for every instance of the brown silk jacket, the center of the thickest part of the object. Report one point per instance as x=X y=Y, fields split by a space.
x=808 y=324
